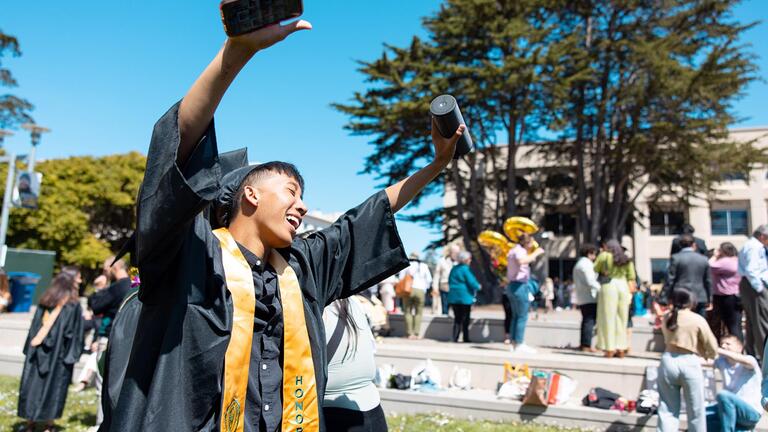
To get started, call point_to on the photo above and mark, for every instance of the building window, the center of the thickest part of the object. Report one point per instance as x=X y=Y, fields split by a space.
x=560 y=223
x=733 y=176
x=561 y=268
x=730 y=222
x=666 y=222
x=659 y=270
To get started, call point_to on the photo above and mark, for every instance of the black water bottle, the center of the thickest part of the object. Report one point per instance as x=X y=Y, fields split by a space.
x=445 y=110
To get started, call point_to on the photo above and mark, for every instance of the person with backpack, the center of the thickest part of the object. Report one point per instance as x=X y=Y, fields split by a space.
x=413 y=303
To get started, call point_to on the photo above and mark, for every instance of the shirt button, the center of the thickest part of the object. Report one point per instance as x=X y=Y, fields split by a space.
x=263 y=367
x=266 y=407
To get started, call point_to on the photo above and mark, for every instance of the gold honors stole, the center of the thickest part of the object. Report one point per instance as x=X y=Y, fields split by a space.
x=300 y=404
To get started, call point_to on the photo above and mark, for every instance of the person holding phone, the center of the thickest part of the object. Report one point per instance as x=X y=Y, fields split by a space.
x=230 y=335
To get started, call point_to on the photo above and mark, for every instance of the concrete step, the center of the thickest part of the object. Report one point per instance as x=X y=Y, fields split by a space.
x=483 y=404
x=14 y=328
x=486 y=360
x=557 y=330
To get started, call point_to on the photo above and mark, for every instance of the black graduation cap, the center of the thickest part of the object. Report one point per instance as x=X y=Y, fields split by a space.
x=235 y=166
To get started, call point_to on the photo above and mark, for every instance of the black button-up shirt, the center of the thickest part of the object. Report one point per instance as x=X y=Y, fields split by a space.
x=264 y=406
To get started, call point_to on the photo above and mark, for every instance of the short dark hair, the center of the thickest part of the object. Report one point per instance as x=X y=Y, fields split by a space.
x=733 y=338
x=728 y=249
x=258 y=173
x=688 y=229
x=586 y=249
x=686 y=240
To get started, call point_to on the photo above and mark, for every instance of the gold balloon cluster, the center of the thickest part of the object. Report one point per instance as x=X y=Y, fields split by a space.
x=498 y=246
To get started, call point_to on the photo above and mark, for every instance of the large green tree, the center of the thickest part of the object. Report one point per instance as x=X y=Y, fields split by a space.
x=637 y=94
x=649 y=106
x=13 y=109
x=86 y=208
x=496 y=58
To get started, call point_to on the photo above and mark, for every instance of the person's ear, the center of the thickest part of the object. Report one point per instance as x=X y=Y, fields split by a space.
x=251 y=194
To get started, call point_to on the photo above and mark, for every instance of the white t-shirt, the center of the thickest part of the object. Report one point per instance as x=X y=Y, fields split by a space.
x=742 y=381
x=422 y=278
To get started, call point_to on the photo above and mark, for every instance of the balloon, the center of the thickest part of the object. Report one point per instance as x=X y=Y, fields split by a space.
x=496 y=244
x=517 y=224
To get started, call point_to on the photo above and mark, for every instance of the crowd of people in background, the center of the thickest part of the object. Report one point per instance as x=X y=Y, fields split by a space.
x=699 y=309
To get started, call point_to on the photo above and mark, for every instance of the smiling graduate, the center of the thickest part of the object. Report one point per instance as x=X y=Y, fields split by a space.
x=230 y=336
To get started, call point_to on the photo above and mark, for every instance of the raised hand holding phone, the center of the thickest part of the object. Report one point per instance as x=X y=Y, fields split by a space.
x=255 y=24
x=245 y=16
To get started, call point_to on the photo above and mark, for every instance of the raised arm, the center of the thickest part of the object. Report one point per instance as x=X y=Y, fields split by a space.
x=745 y=360
x=402 y=192
x=202 y=99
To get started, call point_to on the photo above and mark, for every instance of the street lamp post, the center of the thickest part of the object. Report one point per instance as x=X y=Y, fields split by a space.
x=11 y=159
x=35 y=131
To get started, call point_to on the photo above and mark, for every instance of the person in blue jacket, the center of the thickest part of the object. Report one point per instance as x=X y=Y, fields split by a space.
x=463 y=286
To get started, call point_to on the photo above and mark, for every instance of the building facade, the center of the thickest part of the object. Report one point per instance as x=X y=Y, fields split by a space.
x=739 y=205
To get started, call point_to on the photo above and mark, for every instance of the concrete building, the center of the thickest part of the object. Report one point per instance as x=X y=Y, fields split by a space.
x=315 y=220
x=739 y=205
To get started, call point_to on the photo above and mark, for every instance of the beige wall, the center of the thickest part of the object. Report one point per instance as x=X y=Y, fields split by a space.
x=752 y=195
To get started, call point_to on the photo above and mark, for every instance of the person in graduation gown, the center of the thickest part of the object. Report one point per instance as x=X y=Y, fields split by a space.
x=53 y=346
x=188 y=357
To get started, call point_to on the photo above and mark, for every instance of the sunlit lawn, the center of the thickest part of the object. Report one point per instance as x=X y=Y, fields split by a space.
x=80 y=414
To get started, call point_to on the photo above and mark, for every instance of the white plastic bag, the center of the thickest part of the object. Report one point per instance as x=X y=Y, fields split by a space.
x=383 y=374
x=461 y=378
x=426 y=373
x=565 y=388
x=514 y=389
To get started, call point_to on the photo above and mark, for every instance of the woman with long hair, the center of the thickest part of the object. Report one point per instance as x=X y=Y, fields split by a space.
x=352 y=401
x=616 y=273
x=53 y=346
x=726 y=302
x=687 y=339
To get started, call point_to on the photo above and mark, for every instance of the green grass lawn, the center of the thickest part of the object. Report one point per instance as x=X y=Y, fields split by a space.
x=80 y=414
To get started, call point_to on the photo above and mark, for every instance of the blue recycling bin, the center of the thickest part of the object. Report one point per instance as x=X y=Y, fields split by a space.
x=22 y=289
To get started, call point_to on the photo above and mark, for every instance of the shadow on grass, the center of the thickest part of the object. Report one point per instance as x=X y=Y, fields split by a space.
x=19 y=426
x=86 y=419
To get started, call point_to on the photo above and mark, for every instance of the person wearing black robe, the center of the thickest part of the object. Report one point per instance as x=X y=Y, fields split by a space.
x=51 y=352
x=173 y=378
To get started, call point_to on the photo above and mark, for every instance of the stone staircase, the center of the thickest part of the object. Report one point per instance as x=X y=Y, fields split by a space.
x=485 y=359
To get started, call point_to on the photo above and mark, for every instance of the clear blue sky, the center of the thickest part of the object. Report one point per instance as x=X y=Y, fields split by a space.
x=101 y=73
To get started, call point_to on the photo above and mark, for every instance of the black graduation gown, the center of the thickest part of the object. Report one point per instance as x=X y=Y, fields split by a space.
x=118 y=353
x=174 y=375
x=48 y=366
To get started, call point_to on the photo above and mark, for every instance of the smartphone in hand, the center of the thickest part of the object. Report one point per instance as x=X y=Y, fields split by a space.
x=244 y=16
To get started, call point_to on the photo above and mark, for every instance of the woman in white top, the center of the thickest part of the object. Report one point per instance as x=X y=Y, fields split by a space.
x=351 y=401
x=387 y=293
x=413 y=305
